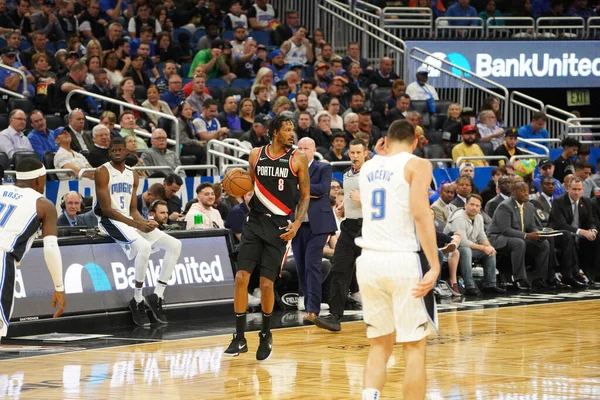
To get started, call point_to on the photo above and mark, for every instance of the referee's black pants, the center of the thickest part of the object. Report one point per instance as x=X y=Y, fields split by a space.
x=344 y=259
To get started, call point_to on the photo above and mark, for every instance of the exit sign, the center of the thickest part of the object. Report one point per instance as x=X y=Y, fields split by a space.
x=578 y=98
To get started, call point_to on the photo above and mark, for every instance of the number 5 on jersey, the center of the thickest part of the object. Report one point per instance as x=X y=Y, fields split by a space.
x=378 y=204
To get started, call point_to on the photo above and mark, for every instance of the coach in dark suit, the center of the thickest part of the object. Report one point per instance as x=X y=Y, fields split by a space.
x=514 y=229
x=505 y=185
x=574 y=213
x=311 y=237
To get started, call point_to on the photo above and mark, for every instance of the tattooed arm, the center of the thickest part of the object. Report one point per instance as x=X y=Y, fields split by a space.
x=300 y=164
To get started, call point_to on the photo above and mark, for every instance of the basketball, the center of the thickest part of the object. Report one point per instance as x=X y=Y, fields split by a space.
x=237 y=182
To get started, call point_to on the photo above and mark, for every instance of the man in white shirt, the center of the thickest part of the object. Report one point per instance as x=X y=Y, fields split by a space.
x=420 y=89
x=211 y=218
x=12 y=138
x=66 y=158
x=207 y=125
x=488 y=130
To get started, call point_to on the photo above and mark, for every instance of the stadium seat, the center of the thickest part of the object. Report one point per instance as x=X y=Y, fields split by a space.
x=263 y=38
x=235 y=134
x=437 y=121
x=215 y=92
x=53 y=121
x=420 y=106
x=3 y=43
x=228 y=35
x=24 y=45
x=61 y=45
x=3 y=121
x=187 y=160
x=140 y=93
x=22 y=155
x=177 y=32
x=441 y=106
x=380 y=94
x=434 y=137
x=216 y=82
x=3 y=107
x=165 y=124
x=241 y=83
x=24 y=105
x=232 y=91
x=4 y=161
x=487 y=148
x=185 y=69
x=49 y=164
x=50 y=47
x=199 y=34
x=433 y=151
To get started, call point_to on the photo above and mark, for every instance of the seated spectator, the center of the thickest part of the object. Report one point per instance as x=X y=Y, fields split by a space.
x=247 y=62
x=546 y=168
x=384 y=76
x=132 y=159
x=146 y=36
x=474 y=246
x=286 y=30
x=128 y=126
x=451 y=130
x=400 y=109
x=280 y=105
x=488 y=129
x=264 y=76
x=11 y=80
x=40 y=137
x=356 y=79
x=246 y=114
x=544 y=199
x=468 y=147
x=199 y=95
x=491 y=16
x=109 y=119
x=257 y=135
x=420 y=89
x=357 y=101
x=91 y=26
x=153 y=102
x=109 y=42
x=235 y=18
x=509 y=147
x=81 y=141
x=350 y=126
x=324 y=124
x=505 y=186
x=42 y=78
x=237 y=216
x=159 y=154
x=213 y=63
x=213 y=13
x=353 y=55
x=514 y=229
x=39 y=41
x=580 y=9
x=169 y=69
x=172 y=184
x=155 y=192
x=73 y=81
x=398 y=89
x=111 y=65
x=338 y=144
x=159 y=212
x=293 y=80
x=261 y=99
x=335 y=90
x=492 y=103
x=307 y=87
x=443 y=206
x=535 y=130
x=584 y=152
x=190 y=145
x=491 y=189
x=101 y=85
x=142 y=19
x=174 y=95
x=207 y=125
x=262 y=16
x=464 y=187
x=66 y=158
x=211 y=218
x=583 y=171
x=306 y=128
x=563 y=165
x=229 y=118
x=298 y=48
x=12 y=139
x=99 y=153
x=462 y=9
x=72 y=215
x=212 y=34
x=165 y=49
x=126 y=94
x=332 y=108
x=137 y=73
x=366 y=125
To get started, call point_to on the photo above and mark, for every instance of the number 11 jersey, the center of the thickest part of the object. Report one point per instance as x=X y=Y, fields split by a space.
x=18 y=219
x=388 y=224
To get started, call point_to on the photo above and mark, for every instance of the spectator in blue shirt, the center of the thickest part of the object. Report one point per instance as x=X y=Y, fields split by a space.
x=146 y=34
x=462 y=9
x=111 y=10
x=546 y=169
x=11 y=80
x=40 y=137
x=580 y=9
x=174 y=96
x=535 y=130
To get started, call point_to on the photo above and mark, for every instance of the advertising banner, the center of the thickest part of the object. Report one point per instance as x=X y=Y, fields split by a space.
x=99 y=277
x=523 y=64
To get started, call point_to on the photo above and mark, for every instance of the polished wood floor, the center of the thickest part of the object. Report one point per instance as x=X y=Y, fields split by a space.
x=533 y=352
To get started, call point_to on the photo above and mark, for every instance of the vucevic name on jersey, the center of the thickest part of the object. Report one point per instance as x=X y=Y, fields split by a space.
x=275 y=184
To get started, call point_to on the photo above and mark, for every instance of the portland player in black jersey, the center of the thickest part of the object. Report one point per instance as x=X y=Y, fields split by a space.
x=278 y=171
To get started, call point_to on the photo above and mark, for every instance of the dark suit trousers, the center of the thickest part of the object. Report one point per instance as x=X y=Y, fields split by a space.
x=519 y=249
x=344 y=258
x=589 y=257
x=308 y=255
x=569 y=264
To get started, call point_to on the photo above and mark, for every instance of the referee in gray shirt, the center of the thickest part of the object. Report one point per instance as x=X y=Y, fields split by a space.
x=346 y=251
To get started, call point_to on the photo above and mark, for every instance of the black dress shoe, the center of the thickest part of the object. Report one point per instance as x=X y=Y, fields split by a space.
x=472 y=291
x=558 y=284
x=330 y=322
x=541 y=286
x=574 y=283
x=522 y=285
x=494 y=289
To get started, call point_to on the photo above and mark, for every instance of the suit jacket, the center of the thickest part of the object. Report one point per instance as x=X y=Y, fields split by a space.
x=561 y=215
x=87 y=138
x=320 y=213
x=541 y=203
x=441 y=210
x=458 y=203
x=506 y=222
x=492 y=205
x=87 y=219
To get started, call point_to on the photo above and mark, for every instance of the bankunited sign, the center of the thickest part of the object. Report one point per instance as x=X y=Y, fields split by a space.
x=519 y=64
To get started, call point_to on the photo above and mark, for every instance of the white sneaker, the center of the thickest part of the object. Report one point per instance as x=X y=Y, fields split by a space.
x=253 y=301
x=442 y=290
x=301 y=303
x=324 y=306
x=256 y=293
x=356 y=297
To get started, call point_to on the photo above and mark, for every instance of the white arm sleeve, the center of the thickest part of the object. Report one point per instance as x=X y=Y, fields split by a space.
x=54 y=262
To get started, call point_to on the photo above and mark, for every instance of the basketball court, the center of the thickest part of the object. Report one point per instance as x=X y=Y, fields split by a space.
x=517 y=347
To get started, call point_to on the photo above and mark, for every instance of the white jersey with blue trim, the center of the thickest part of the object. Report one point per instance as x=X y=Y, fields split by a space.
x=18 y=219
x=120 y=188
x=388 y=224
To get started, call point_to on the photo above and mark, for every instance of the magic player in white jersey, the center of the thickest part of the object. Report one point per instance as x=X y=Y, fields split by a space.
x=396 y=225
x=118 y=217
x=23 y=208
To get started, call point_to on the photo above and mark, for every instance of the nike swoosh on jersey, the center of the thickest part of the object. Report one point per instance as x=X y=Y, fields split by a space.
x=262 y=159
x=282 y=227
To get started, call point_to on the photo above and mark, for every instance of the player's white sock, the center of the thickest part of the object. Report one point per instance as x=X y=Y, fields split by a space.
x=137 y=295
x=370 y=394
x=160 y=289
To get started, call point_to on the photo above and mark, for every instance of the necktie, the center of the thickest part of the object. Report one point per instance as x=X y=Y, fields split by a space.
x=575 y=223
x=522 y=219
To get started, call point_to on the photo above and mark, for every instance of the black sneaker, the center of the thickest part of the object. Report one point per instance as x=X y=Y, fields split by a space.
x=236 y=346
x=155 y=304
x=138 y=312
x=329 y=322
x=265 y=346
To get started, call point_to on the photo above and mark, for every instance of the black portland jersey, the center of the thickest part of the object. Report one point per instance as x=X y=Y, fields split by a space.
x=275 y=183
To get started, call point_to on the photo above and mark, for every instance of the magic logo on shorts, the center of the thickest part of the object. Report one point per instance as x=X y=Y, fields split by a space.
x=434 y=64
x=73 y=278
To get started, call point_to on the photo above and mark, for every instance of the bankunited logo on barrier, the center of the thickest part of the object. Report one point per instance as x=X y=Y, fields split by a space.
x=434 y=63
x=73 y=278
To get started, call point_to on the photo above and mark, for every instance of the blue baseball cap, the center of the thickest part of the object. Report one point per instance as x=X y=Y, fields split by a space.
x=275 y=53
x=341 y=72
x=57 y=132
x=296 y=64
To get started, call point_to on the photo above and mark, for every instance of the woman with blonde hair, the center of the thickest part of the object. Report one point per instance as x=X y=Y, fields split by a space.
x=451 y=130
x=132 y=159
x=93 y=48
x=109 y=119
x=246 y=114
x=332 y=108
x=264 y=76
x=281 y=104
x=154 y=102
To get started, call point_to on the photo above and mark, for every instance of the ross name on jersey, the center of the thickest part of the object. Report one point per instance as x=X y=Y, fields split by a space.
x=380 y=175
x=120 y=187
x=277 y=172
x=12 y=195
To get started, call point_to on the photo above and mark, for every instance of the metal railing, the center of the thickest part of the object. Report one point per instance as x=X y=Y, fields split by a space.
x=456 y=83
x=527 y=157
x=217 y=149
x=130 y=106
x=533 y=142
x=197 y=167
x=522 y=108
x=593 y=27
x=408 y=22
x=23 y=82
x=447 y=28
x=560 y=27
x=557 y=120
x=83 y=171
x=510 y=27
x=368 y=11
x=586 y=130
x=485 y=158
x=343 y=26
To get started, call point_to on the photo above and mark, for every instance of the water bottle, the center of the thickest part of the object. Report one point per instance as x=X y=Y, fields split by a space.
x=198 y=222
x=82 y=50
